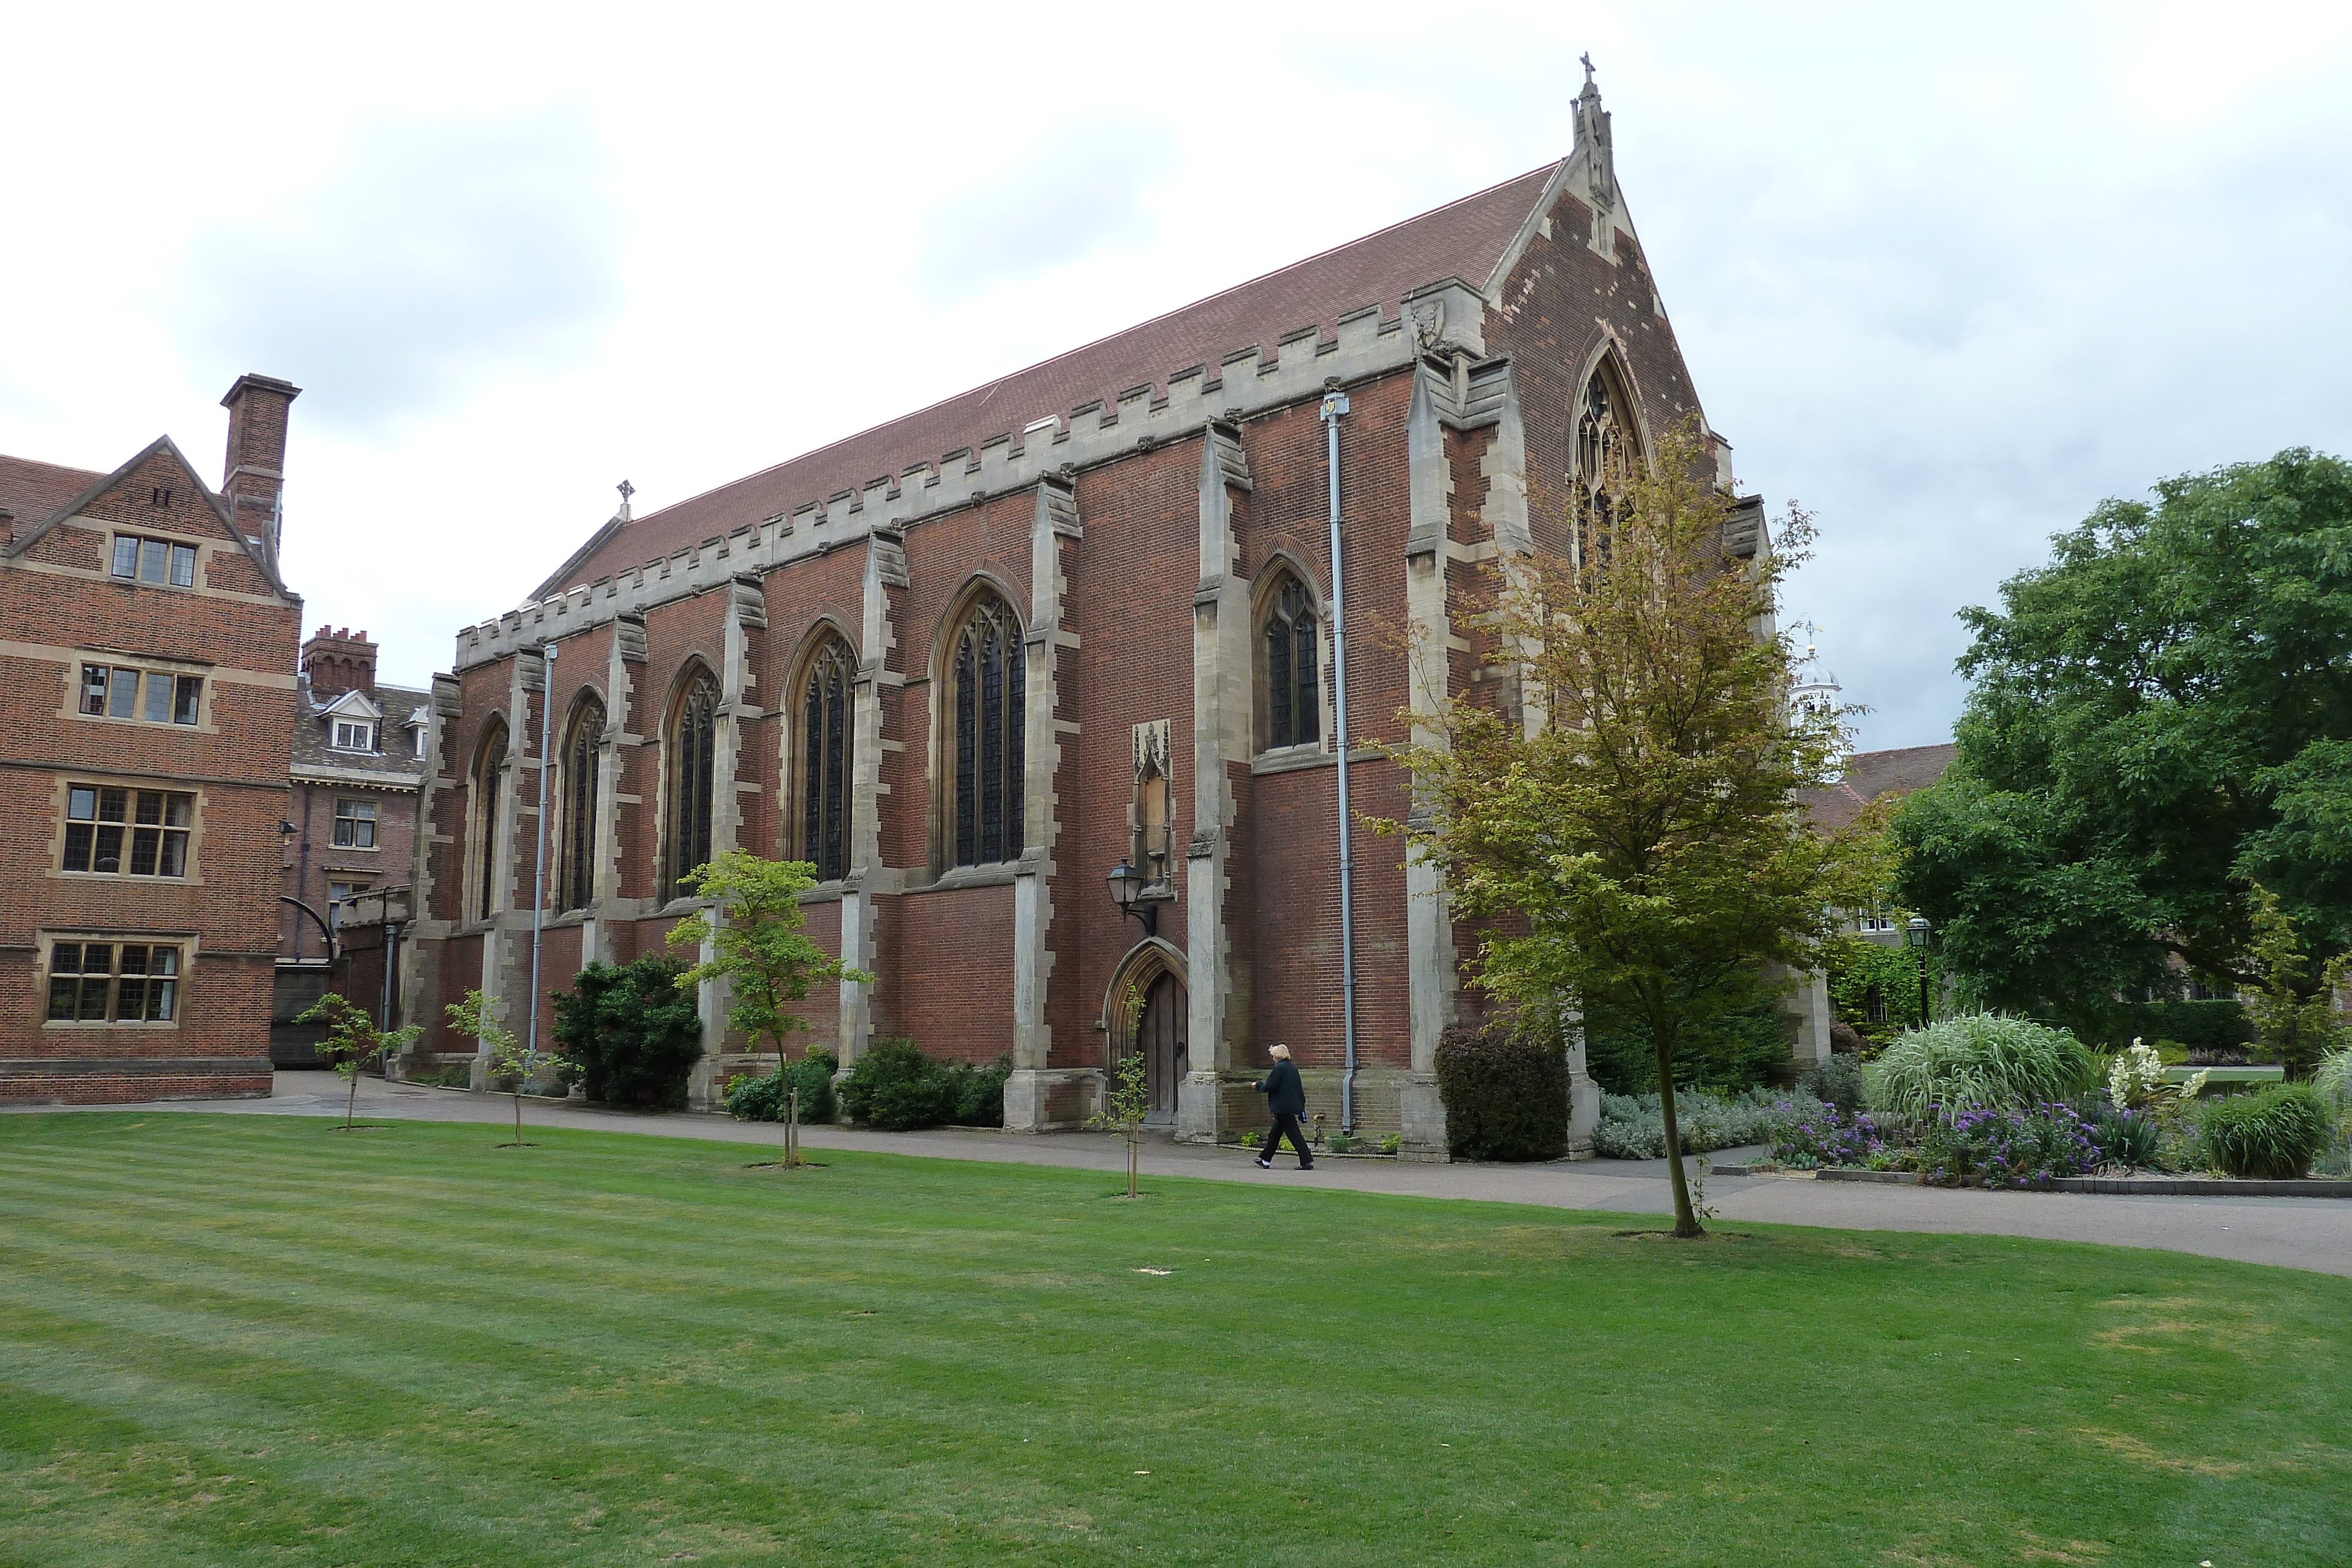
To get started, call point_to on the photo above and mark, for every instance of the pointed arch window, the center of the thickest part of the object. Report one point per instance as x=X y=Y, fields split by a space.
x=988 y=676
x=1607 y=446
x=827 y=708
x=583 y=751
x=692 y=748
x=1293 y=677
x=489 y=779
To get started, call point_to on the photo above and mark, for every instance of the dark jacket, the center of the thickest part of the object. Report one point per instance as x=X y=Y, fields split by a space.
x=1284 y=1095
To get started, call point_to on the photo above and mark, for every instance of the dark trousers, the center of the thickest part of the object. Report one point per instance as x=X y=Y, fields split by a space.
x=1287 y=1125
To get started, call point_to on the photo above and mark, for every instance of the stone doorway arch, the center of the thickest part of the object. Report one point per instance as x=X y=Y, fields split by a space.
x=1155 y=970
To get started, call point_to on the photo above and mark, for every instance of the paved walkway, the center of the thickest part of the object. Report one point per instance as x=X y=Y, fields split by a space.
x=2310 y=1233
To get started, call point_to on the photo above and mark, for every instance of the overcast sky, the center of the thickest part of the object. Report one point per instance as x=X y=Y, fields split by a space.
x=1946 y=283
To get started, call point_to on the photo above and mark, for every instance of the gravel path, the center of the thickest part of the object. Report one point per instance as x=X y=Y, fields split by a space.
x=2292 y=1232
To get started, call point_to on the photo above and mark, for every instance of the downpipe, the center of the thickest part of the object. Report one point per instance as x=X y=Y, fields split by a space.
x=539 y=873
x=1335 y=403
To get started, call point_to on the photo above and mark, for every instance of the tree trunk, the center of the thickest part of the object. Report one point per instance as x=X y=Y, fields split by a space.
x=1685 y=1222
x=351 y=1105
x=518 y=1113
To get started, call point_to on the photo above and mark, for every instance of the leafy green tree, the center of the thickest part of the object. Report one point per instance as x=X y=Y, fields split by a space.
x=753 y=927
x=511 y=1058
x=1640 y=854
x=352 y=1042
x=2157 y=720
x=2294 y=1010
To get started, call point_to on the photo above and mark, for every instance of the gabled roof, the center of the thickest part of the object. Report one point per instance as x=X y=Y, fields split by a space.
x=1871 y=774
x=316 y=760
x=1470 y=239
x=350 y=705
x=98 y=484
x=33 y=491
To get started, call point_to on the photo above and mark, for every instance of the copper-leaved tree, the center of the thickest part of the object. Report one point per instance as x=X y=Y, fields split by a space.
x=1633 y=841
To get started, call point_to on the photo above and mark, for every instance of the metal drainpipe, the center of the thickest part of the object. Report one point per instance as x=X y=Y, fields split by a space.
x=303 y=869
x=1335 y=403
x=539 y=875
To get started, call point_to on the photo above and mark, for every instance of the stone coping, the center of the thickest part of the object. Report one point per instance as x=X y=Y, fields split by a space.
x=2139 y=1186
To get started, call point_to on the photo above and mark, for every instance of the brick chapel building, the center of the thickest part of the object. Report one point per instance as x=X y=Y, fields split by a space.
x=148 y=644
x=970 y=661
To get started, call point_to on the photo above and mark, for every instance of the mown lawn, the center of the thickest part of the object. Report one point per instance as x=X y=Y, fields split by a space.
x=253 y=1339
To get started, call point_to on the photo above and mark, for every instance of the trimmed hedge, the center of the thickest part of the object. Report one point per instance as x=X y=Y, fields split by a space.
x=634 y=1034
x=2272 y=1134
x=2200 y=1026
x=766 y=1097
x=1506 y=1094
x=893 y=1086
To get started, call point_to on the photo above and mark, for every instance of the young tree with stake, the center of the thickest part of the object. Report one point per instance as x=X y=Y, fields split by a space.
x=510 y=1057
x=1126 y=1097
x=352 y=1042
x=752 y=927
x=1640 y=847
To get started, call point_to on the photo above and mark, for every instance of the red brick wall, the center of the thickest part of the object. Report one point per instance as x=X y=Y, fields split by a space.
x=234 y=761
x=947 y=972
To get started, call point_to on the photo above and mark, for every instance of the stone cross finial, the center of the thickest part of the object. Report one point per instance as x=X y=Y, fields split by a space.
x=628 y=489
x=1586 y=58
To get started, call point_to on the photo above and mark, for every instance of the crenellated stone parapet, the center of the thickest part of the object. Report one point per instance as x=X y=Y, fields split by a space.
x=1447 y=317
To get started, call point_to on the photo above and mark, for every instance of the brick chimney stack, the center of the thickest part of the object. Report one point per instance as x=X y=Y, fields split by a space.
x=336 y=661
x=254 y=471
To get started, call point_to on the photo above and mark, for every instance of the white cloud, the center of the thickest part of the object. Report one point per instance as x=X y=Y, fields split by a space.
x=1948 y=277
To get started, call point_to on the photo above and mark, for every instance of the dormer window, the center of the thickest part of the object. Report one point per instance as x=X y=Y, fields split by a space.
x=354 y=735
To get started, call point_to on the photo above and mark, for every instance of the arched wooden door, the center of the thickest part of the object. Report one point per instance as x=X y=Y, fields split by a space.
x=1161 y=1032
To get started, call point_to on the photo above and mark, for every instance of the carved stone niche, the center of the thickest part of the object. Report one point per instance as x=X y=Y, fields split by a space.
x=1151 y=813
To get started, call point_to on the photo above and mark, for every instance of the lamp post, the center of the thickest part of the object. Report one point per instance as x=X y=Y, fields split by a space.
x=1918 y=940
x=1126 y=886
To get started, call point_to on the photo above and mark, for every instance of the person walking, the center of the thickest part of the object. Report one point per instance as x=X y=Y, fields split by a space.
x=1286 y=1101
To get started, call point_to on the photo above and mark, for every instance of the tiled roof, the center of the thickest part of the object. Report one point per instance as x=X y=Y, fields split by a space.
x=1465 y=239
x=1869 y=774
x=397 y=765
x=34 y=490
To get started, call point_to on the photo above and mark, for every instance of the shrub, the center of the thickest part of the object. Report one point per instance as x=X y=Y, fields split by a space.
x=1988 y=1146
x=1812 y=1136
x=2333 y=1080
x=1392 y=1143
x=1506 y=1094
x=1847 y=1040
x=1837 y=1082
x=1979 y=1059
x=2273 y=1135
x=634 y=1033
x=2200 y=1026
x=2127 y=1138
x=893 y=1086
x=1634 y=1126
x=767 y=1097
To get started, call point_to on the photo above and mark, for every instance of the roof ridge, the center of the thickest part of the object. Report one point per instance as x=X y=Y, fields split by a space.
x=986 y=387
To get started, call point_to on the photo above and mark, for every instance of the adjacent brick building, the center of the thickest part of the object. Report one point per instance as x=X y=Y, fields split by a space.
x=970 y=661
x=357 y=760
x=147 y=643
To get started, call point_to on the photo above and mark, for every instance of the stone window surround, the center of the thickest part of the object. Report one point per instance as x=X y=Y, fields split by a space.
x=60 y=797
x=1280 y=568
x=69 y=707
x=46 y=941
